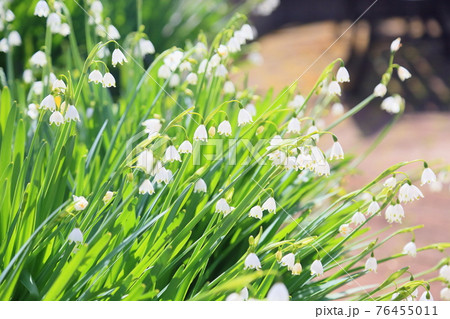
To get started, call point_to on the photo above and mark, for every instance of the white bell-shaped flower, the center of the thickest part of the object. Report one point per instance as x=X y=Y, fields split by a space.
x=14 y=39
x=334 y=88
x=270 y=205
x=342 y=75
x=244 y=117
x=444 y=272
x=410 y=249
x=345 y=230
x=316 y=268
x=256 y=212
x=252 y=262
x=95 y=76
x=172 y=154
x=224 y=128
x=118 y=57
x=59 y=86
x=144 y=47
x=113 y=33
x=409 y=193
x=222 y=51
x=173 y=59
x=108 y=80
x=223 y=207
x=297 y=269
x=200 y=186
x=373 y=208
x=390 y=182
x=358 y=219
x=64 y=29
x=145 y=161
x=54 y=22
x=75 y=236
x=247 y=32
x=174 y=80
x=294 y=126
x=192 y=78
x=392 y=104
x=80 y=203
x=278 y=292
x=152 y=126
x=313 y=129
x=337 y=109
x=297 y=102
x=380 y=90
x=33 y=111
x=396 y=44
x=228 y=87
x=72 y=114
x=200 y=134
x=445 y=293
x=403 y=73
x=42 y=9
x=371 y=264
x=146 y=187
x=38 y=59
x=163 y=175
x=185 y=147
x=426 y=296
x=336 y=151
x=428 y=176
x=48 y=103
x=288 y=261
x=56 y=118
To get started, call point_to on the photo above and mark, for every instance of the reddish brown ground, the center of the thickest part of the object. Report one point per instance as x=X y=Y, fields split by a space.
x=288 y=55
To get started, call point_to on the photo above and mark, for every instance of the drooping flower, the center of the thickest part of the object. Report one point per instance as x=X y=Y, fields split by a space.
x=256 y=212
x=173 y=59
x=172 y=154
x=223 y=207
x=250 y=107
x=316 y=268
x=200 y=134
x=297 y=102
x=410 y=249
x=224 y=128
x=337 y=109
x=394 y=213
x=313 y=129
x=113 y=33
x=278 y=292
x=54 y=22
x=38 y=59
x=221 y=71
x=392 y=104
x=358 y=218
x=403 y=73
x=373 y=208
x=342 y=75
x=80 y=203
x=48 y=103
x=428 y=176
x=247 y=32
x=228 y=87
x=380 y=90
x=288 y=261
x=409 y=193
x=95 y=76
x=118 y=57
x=345 y=230
x=108 y=80
x=152 y=126
x=144 y=47
x=244 y=117
x=185 y=66
x=390 y=182
x=192 y=78
x=56 y=118
x=445 y=293
x=145 y=161
x=222 y=51
x=322 y=168
x=336 y=151
x=185 y=147
x=241 y=296
x=72 y=114
x=297 y=269
x=252 y=262
x=233 y=45
x=146 y=187
x=445 y=272
x=174 y=80
x=163 y=175
x=426 y=296
x=64 y=29
x=395 y=45
x=41 y=9
x=75 y=236
x=33 y=111
x=108 y=196
x=59 y=86
x=200 y=186
x=334 y=88
x=371 y=264
x=270 y=205
x=14 y=39
x=294 y=126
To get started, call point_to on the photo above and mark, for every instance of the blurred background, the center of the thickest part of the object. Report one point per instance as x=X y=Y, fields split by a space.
x=296 y=40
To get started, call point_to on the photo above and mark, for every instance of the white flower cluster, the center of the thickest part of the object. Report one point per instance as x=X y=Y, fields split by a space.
x=55 y=17
x=107 y=80
x=12 y=37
